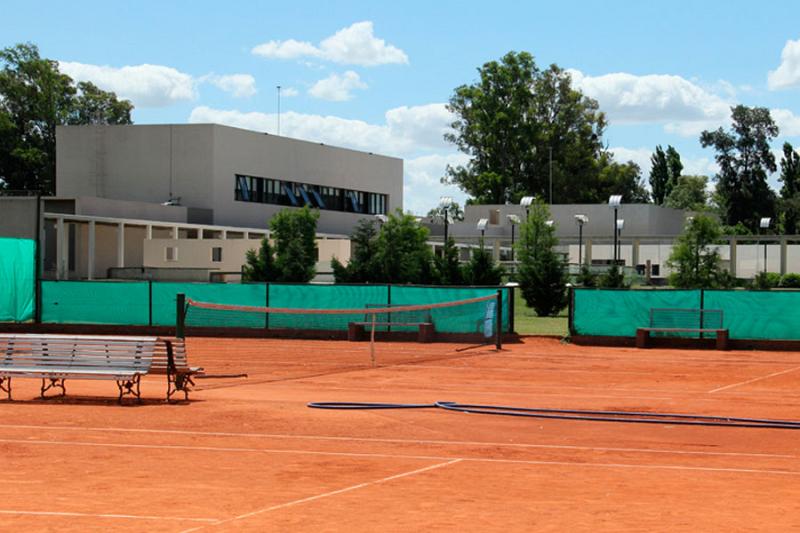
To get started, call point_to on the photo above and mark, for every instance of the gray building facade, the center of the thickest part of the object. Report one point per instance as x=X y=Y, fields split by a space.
x=222 y=175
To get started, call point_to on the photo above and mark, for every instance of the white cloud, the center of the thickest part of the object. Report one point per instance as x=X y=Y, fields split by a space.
x=145 y=85
x=787 y=75
x=681 y=105
x=704 y=166
x=354 y=45
x=337 y=88
x=422 y=186
x=239 y=85
x=288 y=92
x=788 y=122
x=406 y=132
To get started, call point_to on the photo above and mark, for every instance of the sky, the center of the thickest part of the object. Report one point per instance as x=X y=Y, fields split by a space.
x=375 y=76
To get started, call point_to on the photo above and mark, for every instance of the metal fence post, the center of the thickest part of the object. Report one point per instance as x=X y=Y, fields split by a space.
x=180 y=310
x=499 y=325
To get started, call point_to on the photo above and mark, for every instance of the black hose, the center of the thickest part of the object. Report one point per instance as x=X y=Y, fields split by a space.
x=631 y=417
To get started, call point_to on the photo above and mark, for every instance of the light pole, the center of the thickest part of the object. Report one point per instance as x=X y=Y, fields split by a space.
x=279 y=108
x=580 y=220
x=614 y=202
x=482 y=223
x=765 y=226
x=513 y=220
x=445 y=203
x=526 y=203
x=551 y=174
x=620 y=225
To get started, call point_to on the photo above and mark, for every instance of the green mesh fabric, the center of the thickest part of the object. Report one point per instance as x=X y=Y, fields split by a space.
x=165 y=295
x=758 y=314
x=95 y=302
x=618 y=313
x=322 y=297
x=17 y=279
x=473 y=318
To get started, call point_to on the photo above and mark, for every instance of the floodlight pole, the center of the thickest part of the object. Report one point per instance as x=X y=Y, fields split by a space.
x=615 y=235
x=445 y=225
x=551 y=174
x=279 y=109
x=765 y=256
x=512 y=242
x=580 y=244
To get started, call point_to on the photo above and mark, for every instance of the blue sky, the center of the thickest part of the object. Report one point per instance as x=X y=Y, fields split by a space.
x=375 y=75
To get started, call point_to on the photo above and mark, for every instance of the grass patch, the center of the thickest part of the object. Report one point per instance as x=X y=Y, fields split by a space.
x=527 y=323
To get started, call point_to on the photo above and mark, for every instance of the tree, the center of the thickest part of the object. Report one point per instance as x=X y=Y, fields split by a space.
x=543 y=274
x=456 y=213
x=448 y=268
x=695 y=260
x=665 y=169
x=402 y=254
x=621 y=178
x=362 y=267
x=259 y=265
x=35 y=98
x=790 y=192
x=514 y=122
x=481 y=269
x=744 y=159
x=295 y=234
x=689 y=193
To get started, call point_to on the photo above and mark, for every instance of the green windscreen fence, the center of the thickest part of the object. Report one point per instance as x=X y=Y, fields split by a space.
x=96 y=302
x=471 y=318
x=322 y=297
x=618 y=313
x=17 y=279
x=165 y=296
x=758 y=314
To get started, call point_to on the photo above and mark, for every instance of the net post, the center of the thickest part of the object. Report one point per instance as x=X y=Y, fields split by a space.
x=511 y=311
x=180 y=313
x=499 y=321
x=150 y=303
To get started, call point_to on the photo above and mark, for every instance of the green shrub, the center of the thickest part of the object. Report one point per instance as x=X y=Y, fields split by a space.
x=766 y=280
x=790 y=281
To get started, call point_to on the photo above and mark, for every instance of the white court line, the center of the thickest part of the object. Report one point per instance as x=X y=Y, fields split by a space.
x=400 y=456
x=326 y=494
x=284 y=436
x=753 y=380
x=91 y=515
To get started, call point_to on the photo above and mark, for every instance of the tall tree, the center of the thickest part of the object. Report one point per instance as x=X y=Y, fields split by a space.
x=790 y=191
x=542 y=271
x=745 y=160
x=695 y=260
x=456 y=213
x=402 y=253
x=689 y=193
x=514 y=123
x=482 y=269
x=35 y=98
x=362 y=267
x=665 y=169
x=448 y=268
x=620 y=178
x=294 y=232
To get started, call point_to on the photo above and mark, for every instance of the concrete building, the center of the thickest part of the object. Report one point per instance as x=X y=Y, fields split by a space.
x=190 y=200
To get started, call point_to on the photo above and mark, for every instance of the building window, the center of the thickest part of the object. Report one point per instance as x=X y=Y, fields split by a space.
x=216 y=254
x=171 y=254
x=282 y=192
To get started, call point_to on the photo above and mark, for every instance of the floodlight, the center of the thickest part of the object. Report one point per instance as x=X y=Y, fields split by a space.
x=581 y=220
x=620 y=224
x=549 y=223
x=482 y=223
x=614 y=200
x=514 y=219
x=526 y=201
x=445 y=201
x=383 y=219
x=765 y=222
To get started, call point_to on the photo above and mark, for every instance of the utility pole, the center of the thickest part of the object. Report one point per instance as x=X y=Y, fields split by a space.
x=279 y=109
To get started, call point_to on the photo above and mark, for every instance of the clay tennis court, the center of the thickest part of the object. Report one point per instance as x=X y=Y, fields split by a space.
x=248 y=455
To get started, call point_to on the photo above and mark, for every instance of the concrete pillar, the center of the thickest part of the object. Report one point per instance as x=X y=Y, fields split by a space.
x=783 y=255
x=496 y=249
x=121 y=244
x=90 y=259
x=61 y=244
x=176 y=231
x=587 y=251
x=635 y=252
x=733 y=256
x=224 y=234
x=148 y=232
x=200 y=233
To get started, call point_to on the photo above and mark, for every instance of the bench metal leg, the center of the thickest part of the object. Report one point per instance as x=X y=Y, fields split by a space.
x=179 y=382
x=130 y=387
x=5 y=385
x=54 y=383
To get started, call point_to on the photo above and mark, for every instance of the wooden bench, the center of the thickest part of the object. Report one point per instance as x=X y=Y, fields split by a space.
x=684 y=320
x=170 y=359
x=56 y=358
x=357 y=330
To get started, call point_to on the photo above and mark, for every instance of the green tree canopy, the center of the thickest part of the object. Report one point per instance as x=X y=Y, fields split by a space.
x=689 y=192
x=293 y=254
x=448 y=268
x=456 y=213
x=542 y=271
x=403 y=254
x=362 y=267
x=512 y=120
x=695 y=259
x=482 y=269
x=35 y=98
x=789 y=203
x=665 y=169
x=745 y=159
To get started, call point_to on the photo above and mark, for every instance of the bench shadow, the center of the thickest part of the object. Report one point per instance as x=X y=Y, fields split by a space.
x=102 y=401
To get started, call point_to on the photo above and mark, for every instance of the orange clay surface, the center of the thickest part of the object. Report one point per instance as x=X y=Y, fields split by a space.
x=246 y=454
